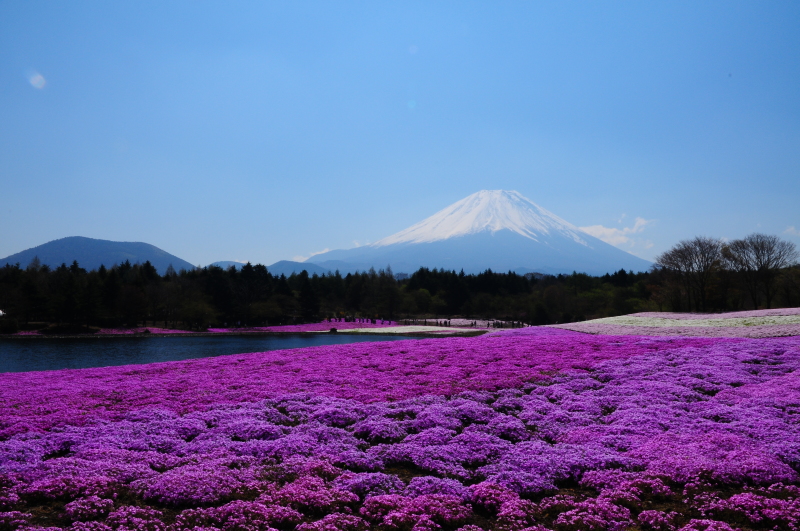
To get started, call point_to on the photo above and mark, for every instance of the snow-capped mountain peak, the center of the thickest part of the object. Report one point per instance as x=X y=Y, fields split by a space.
x=492 y=229
x=487 y=211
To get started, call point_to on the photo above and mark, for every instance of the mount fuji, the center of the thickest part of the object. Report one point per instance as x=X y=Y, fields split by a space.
x=491 y=229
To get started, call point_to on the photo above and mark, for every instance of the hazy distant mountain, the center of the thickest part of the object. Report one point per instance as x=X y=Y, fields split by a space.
x=284 y=267
x=225 y=264
x=91 y=253
x=287 y=267
x=491 y=229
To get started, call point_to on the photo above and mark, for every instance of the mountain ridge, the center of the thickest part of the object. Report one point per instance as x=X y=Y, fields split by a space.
x=491 y=229
x=91 y=253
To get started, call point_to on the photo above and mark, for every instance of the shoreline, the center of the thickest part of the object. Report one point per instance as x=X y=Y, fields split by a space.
x=432 y=333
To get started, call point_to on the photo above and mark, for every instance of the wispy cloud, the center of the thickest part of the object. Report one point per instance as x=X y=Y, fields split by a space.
x=792 y=230
x=622 y=237
x=299 y=258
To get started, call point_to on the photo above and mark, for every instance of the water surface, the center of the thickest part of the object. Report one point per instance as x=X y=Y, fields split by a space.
x=44 y=354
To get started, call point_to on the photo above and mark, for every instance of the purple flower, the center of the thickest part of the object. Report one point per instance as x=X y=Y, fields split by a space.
x=89 y=508
x=421 y=485
x=237 y=515
x=336 y=522
x=370 y=484
x=416 y=435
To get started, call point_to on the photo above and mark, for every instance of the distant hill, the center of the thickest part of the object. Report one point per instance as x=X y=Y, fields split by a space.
x=91 y=253
x=287 y=267
x=284 y=267
x=225 y=264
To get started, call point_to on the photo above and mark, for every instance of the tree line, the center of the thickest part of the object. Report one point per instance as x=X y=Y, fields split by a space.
x=703 y=274
x=707 y=274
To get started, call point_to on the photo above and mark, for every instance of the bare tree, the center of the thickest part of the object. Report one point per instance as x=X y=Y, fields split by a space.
x=740 y=257
x=759 y=259
x=675 y=264
x=695 y=261
x=790 y=285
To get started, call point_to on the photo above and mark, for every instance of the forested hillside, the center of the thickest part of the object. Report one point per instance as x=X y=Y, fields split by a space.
x=131 y=294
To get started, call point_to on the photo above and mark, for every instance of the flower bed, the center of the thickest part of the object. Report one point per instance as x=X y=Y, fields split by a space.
x=417 y=329
x=728 y=315
x=611 y=329
x=730 y=322
x=531 y=429
x=753 y=324
x=140 y=330
x=366 y=372
x=324 y=326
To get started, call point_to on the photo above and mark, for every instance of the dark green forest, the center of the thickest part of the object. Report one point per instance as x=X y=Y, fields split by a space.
x=128 y=294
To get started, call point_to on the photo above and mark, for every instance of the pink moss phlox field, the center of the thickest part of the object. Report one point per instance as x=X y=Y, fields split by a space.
x=532 y=429
x=363 y=371
x=324 y=326
x=140 y=330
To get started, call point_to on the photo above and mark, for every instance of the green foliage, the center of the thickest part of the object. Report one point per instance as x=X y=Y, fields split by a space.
x=69 y=297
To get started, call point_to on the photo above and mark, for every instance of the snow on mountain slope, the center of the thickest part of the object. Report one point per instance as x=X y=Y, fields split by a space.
x=491 y=229
x=488 y=211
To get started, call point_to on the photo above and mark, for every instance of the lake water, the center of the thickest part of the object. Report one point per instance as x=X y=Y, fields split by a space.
x=44 y=354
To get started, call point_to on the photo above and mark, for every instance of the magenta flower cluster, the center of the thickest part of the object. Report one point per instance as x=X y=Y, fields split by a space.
x=141 y=330
x=367 y=372
x=530 y=429
x=324 y=326
x=119 y=331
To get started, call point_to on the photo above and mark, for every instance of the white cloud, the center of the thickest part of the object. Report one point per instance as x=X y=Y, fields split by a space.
x=792 y=230
x=299 y=258
x=621 y=237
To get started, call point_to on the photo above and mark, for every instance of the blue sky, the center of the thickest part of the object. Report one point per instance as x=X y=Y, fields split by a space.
x=272 y=130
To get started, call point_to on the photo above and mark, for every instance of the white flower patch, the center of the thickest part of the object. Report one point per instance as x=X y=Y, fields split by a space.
x=409 y=330
x=628 y=320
